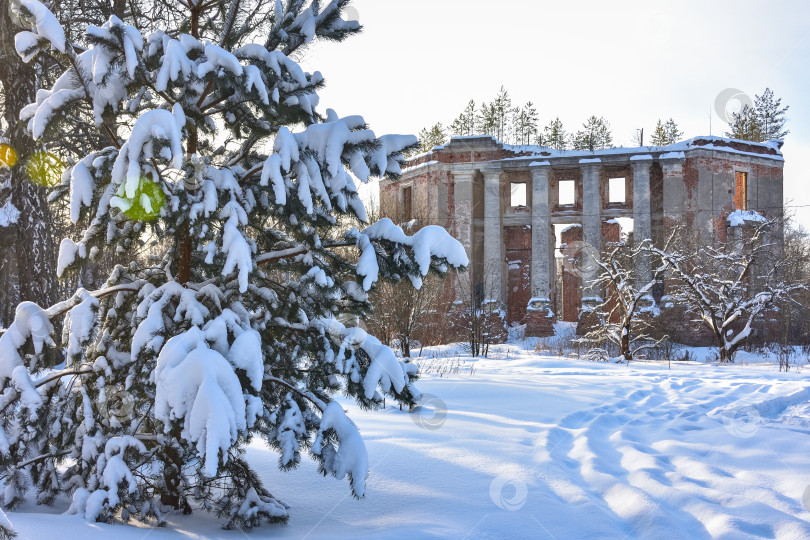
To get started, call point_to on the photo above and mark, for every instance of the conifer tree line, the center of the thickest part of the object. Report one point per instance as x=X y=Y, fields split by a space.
x=521 y=125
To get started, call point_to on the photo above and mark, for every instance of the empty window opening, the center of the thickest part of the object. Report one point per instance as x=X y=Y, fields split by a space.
x=617 y=190
x=518 y=193
x=407 y=204
x=740 y=190
x=567 y=194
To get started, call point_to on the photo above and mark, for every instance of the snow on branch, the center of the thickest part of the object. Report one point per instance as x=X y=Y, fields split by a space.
x=42 y=21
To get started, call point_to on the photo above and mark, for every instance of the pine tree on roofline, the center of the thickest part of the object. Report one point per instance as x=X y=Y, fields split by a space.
x=173 y=367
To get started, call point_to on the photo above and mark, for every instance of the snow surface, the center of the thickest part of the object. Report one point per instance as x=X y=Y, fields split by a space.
x=539 y=446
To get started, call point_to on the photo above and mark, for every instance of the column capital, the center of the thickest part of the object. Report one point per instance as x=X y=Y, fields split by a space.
x=642 y=162
x=672 y=161
x=590 y=163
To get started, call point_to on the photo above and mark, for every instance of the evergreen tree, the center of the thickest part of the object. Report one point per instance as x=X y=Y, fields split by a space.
x=554 y=135
x=770 y=116
x=745 y=125
x=488 y=121
x=666 y=133
x=594 y=135
x=502 y=108
x=524 y=124
x=674 y=134
x=429 y=138
x=464 y=124
x=231 y=334
x=659 y=136
x=765 y=121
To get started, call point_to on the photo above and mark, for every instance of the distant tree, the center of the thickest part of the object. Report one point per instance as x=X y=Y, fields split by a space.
x=745 y=125
x=765 y=121
x=554 y=135
x=770 y=116
x=666 y=133
x=638 y=137
x=464 y=124
x=502 y=107
x=487 y=120
x=524 y=124
x=594 y=135
x=431 y=137
x=673 y=133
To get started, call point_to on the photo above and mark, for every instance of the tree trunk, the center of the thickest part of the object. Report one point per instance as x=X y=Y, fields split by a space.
x=35 y=256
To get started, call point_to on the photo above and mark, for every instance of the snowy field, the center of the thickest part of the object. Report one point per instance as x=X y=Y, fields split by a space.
x=531 y=445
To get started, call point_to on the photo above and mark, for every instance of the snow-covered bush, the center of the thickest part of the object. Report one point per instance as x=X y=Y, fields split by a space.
x=219 y=146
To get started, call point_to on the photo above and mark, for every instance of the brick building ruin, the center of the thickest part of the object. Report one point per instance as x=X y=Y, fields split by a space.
x=525 y=213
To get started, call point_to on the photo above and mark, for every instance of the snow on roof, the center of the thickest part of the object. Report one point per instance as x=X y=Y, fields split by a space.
x=768 y=150
x=642 y=157
x=590 y=160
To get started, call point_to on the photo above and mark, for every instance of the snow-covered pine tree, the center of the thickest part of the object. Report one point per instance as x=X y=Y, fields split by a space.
x=174 y=366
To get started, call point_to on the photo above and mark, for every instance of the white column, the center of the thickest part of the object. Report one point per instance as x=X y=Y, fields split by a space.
x=463 y=208
x=642 y=220
x=493 y=237
x=591 y=229
x=541 y=262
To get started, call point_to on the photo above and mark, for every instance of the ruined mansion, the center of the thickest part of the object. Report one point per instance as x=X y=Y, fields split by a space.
x=523 y=212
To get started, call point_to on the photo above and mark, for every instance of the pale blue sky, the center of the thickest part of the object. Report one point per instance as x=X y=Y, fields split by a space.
x=420 y=61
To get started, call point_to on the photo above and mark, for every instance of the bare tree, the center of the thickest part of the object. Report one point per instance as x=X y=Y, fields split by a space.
x=478 y=317
x=628 y=313
x=731 y=286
